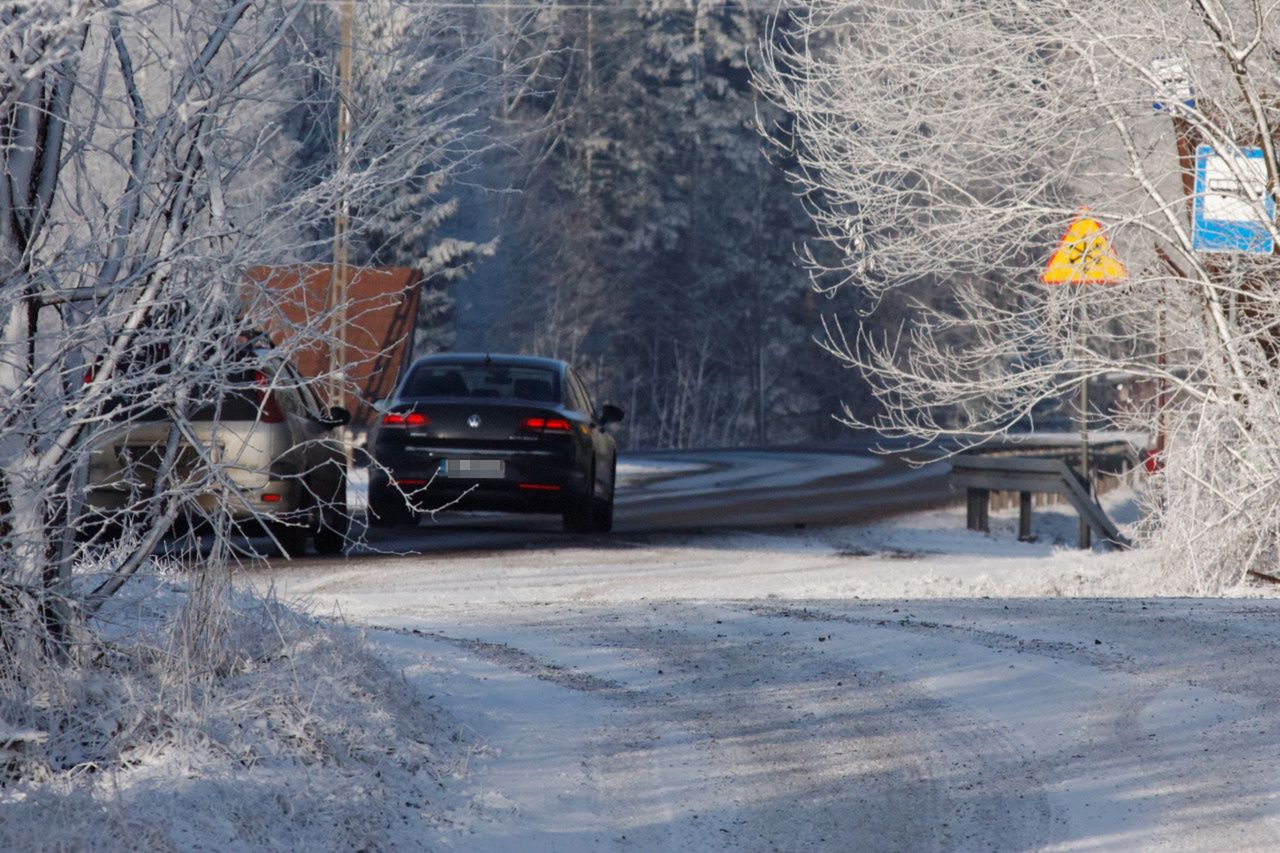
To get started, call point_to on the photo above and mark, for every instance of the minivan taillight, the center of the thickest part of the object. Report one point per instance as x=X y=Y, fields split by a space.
x=400 y=419
x=546 y=425
x=268 y=405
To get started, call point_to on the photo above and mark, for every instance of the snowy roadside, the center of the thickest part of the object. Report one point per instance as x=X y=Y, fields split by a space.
x=918 y=555
x=635 y=470
x=198 y=717
x=656 y=464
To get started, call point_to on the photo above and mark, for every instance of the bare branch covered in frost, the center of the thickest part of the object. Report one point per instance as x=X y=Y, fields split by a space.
x=945 y=146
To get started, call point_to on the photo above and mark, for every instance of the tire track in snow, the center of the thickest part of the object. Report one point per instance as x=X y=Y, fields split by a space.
x=515 y=660
x=763 y=742
x=1132 y=752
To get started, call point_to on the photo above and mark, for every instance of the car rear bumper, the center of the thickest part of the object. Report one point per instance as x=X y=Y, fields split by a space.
x=277 y=499
x=529 y=484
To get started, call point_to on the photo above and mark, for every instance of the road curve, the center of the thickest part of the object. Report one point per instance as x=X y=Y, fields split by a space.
x=718 y=690
x=690 y=491
x=773 y=488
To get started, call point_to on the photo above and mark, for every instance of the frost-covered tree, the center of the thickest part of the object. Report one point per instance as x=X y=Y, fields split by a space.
x=143 y=172
x=944 y=146
x=408 y=63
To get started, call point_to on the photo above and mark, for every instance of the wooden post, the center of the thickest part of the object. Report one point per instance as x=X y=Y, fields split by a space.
x=978 y=509
x=1024 y=517
x=339 y=284
x=1086 y=539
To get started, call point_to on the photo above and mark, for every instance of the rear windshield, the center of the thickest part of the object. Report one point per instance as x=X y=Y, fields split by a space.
x=238 y=399
x=483 y=380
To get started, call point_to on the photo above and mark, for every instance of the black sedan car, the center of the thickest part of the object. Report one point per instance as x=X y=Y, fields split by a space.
x=493 y=432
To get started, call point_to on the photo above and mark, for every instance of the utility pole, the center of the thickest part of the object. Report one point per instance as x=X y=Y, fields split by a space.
x=762 y=434
x=340 y=283
x=341 y=279
x=591 y=97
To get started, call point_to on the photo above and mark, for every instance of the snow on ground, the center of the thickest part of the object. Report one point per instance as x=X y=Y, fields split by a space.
x=655 y=466
x=903 y=685
x=240 y=724
x=907 y=685
x=926 y=555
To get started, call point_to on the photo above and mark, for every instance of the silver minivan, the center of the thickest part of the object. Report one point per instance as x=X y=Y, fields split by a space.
x=259 y=455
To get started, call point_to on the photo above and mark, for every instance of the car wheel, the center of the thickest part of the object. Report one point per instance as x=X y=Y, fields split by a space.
x=602 y=516
x=387 y=507
x=579 y=512
x=290 y=538
x=331 y=533
x=602 y=511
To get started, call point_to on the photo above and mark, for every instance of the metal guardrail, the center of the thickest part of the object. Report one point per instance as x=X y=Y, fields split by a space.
x=980 y=475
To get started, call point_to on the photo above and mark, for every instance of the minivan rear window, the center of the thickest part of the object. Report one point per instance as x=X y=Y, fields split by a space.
x=512 y=382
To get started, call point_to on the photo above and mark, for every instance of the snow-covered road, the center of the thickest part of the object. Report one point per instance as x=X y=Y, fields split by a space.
x=904 y=685
x=1062 y=725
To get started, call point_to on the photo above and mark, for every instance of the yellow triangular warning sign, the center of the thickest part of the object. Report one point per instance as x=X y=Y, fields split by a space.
x=1084 y=256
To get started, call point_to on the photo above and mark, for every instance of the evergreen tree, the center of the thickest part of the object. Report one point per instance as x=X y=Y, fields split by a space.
x=657 y=239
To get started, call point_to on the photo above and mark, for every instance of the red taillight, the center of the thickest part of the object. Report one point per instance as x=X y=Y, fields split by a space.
x=546 y=425
x=267 y=403
x=271 y=499
x=413 y=419
x=539 y=487
x=410 y=482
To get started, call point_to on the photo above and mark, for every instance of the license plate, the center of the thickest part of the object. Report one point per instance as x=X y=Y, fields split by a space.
x=474 y=469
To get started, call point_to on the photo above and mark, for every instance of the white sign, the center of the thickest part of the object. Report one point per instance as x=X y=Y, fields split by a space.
x=1173 y=83
x=1229 y=186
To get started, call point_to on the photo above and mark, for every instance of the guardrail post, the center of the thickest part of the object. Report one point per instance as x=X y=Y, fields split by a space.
x=1086 y=531
x=1033 y=478
x=1024 y=517
x=978 y=510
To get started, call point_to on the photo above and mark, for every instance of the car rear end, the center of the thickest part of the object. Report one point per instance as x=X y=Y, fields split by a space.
x=232 y=458
x=509 y=452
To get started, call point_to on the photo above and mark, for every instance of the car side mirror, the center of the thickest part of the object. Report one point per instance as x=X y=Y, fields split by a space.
x=338 y=416
x=610 y=414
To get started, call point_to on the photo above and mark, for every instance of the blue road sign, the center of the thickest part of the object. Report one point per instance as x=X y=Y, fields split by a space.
x=1228 y=216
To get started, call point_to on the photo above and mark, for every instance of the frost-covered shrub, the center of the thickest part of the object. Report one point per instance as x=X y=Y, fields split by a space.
x=195 y=712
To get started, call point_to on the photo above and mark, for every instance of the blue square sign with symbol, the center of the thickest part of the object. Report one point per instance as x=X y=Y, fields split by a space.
x=1232 y=206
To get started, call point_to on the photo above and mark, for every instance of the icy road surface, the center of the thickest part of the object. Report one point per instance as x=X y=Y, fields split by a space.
x=903 y=685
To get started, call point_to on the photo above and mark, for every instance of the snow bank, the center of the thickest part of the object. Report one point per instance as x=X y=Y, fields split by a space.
x=196 y=717
x=647 y=467
x=920 y=555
